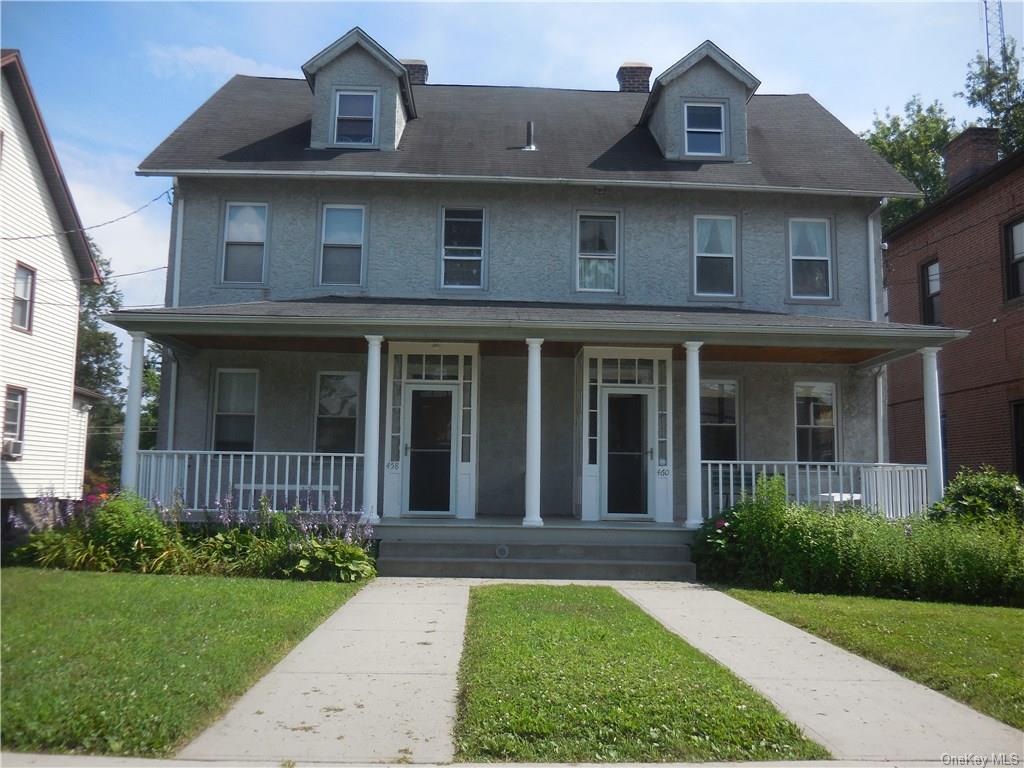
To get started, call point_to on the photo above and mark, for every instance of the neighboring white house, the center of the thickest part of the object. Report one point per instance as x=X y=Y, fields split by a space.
x=45 y=416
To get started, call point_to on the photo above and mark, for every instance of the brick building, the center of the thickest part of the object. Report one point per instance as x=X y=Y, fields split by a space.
x=960 y=263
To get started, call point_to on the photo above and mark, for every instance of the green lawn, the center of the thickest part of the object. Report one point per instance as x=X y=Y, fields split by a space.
x=974 y=654
x=136 y=665
x=580 y=674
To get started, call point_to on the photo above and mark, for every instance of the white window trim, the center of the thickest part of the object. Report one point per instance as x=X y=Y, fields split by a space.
x=584 y=255
x=835 y=420
x=359 y=405
x=736 y=410
x=19 y=433
x=483 y=248
x=374 y=119
x=323 y=243
x=216 y=405
x=826 y=258
x=224 y=246
x=697 y=256
x=686 y=128
x=30 y=300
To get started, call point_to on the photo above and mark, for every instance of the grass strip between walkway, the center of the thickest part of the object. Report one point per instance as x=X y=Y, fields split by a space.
x=972 y=653
x=116 y=663
x=581 y=674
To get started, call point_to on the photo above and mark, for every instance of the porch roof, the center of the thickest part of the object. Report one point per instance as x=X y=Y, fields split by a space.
x=440 y=320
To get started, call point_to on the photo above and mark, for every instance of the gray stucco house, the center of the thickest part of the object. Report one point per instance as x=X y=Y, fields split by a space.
x=553 y=315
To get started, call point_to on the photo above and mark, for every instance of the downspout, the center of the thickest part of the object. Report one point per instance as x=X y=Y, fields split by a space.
x=874 y=231
x=172 y=397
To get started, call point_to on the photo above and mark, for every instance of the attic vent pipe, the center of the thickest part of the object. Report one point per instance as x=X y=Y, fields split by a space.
x=530 y=146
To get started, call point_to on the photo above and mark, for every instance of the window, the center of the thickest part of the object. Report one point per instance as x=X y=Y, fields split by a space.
x=14 y=422
x=815 y=422
x=341 y=257
x=234 y=420
x=705 y=129
x=354 y=115
x=597 y=252
x=245 y=234
x=1017 y=417
x=24 y=297
x=1015 y=260
x=930 y=308
x=714 y=251
x=719 y=435
x=810 y=259
x=337 y=410
x=463 y=256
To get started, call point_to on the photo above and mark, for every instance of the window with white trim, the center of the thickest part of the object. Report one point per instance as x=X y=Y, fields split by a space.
x=245 y=237
x=597 y=253
x=714 y=249
x=719 y=431
x=341 y=252
x=234 y=417
x=337 y=412
x=24 y=297
x=1015 y=260
x=810 y=259
x=704 y=129
x=14 y=422
x=462 y=257
x=815 y=421
x=931 y=289
x=354 y=118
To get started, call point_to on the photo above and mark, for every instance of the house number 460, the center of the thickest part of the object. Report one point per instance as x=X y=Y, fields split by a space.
x=664 y=471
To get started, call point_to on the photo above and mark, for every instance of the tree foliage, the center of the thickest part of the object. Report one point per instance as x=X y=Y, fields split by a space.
x=150 y=417
x=997 y=88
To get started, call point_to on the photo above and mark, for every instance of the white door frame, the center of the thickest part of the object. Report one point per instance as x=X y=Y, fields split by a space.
x=650 y=432
x=434 y=386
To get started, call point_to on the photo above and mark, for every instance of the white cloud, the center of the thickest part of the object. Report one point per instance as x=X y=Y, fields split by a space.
x=171 y=61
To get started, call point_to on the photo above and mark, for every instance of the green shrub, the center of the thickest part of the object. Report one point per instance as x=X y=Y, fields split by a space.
x=132 y=535
x=980 y=495
x=767 y=542
x=330 y=560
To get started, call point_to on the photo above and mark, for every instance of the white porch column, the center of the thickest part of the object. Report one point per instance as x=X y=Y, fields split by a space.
x=694 y=501
x=531 y=516
x=932 y=422
x=133 y=414
x=371 y=429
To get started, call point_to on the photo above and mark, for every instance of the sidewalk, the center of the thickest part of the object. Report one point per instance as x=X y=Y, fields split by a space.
x=376 y=682
x=853 y=707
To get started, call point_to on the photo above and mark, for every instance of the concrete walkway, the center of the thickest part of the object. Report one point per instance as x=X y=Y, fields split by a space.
x=374 y=683
x=853 y=707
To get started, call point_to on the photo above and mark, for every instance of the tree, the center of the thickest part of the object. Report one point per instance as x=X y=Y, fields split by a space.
x=912 y=143
x=98 y=368
x=996 y=87
x=150 y=417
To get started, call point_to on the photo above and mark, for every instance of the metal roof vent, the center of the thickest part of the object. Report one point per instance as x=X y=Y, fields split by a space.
x=530 y=146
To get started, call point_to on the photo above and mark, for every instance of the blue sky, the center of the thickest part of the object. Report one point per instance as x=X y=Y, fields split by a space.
x=114 y=78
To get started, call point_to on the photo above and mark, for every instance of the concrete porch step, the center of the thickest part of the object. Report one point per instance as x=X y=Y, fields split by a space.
x=492 y=568
x=517 y=550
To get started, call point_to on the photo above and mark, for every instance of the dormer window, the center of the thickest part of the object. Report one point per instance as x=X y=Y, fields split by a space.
x=355 y=123
x=705 y=129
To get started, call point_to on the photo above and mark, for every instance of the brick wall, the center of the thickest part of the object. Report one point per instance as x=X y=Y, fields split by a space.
x=978 y=376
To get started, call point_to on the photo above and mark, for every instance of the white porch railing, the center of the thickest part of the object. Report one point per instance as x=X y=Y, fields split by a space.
x=206 y=480
x=894 y=490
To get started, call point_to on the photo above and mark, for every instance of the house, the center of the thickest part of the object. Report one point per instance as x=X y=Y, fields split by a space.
x=44 y=258
x=960 y=262
x=503 y=315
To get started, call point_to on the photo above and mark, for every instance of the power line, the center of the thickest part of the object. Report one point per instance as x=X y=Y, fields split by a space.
x=89 y=279
x=166 y=193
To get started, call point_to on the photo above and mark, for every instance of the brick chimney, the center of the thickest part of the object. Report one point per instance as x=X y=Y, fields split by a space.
x=634 y=77
x=417 y=69
x=975 y=150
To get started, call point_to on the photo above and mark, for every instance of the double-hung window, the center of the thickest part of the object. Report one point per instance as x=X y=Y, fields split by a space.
x=24 y=297
x=719 y=435
x=234 y=418
x=1015 y=260
x=245 y=238
x=337 y=412
x=815 y=421
x=14 y=422
x=714 y=251
x=704 y=129
x=462 y=258
x=354 y=118
x=810 y=259
x=341 y=255
x=597 y=253
x=931 y=313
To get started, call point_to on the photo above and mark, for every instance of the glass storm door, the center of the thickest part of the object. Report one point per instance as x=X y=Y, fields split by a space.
x=627 y=453
x=428 y=449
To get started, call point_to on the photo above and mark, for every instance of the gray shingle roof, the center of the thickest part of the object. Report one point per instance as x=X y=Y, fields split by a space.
x=263 y=124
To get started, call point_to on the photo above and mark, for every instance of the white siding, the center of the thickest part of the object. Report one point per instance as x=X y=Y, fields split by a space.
x=43 y=361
